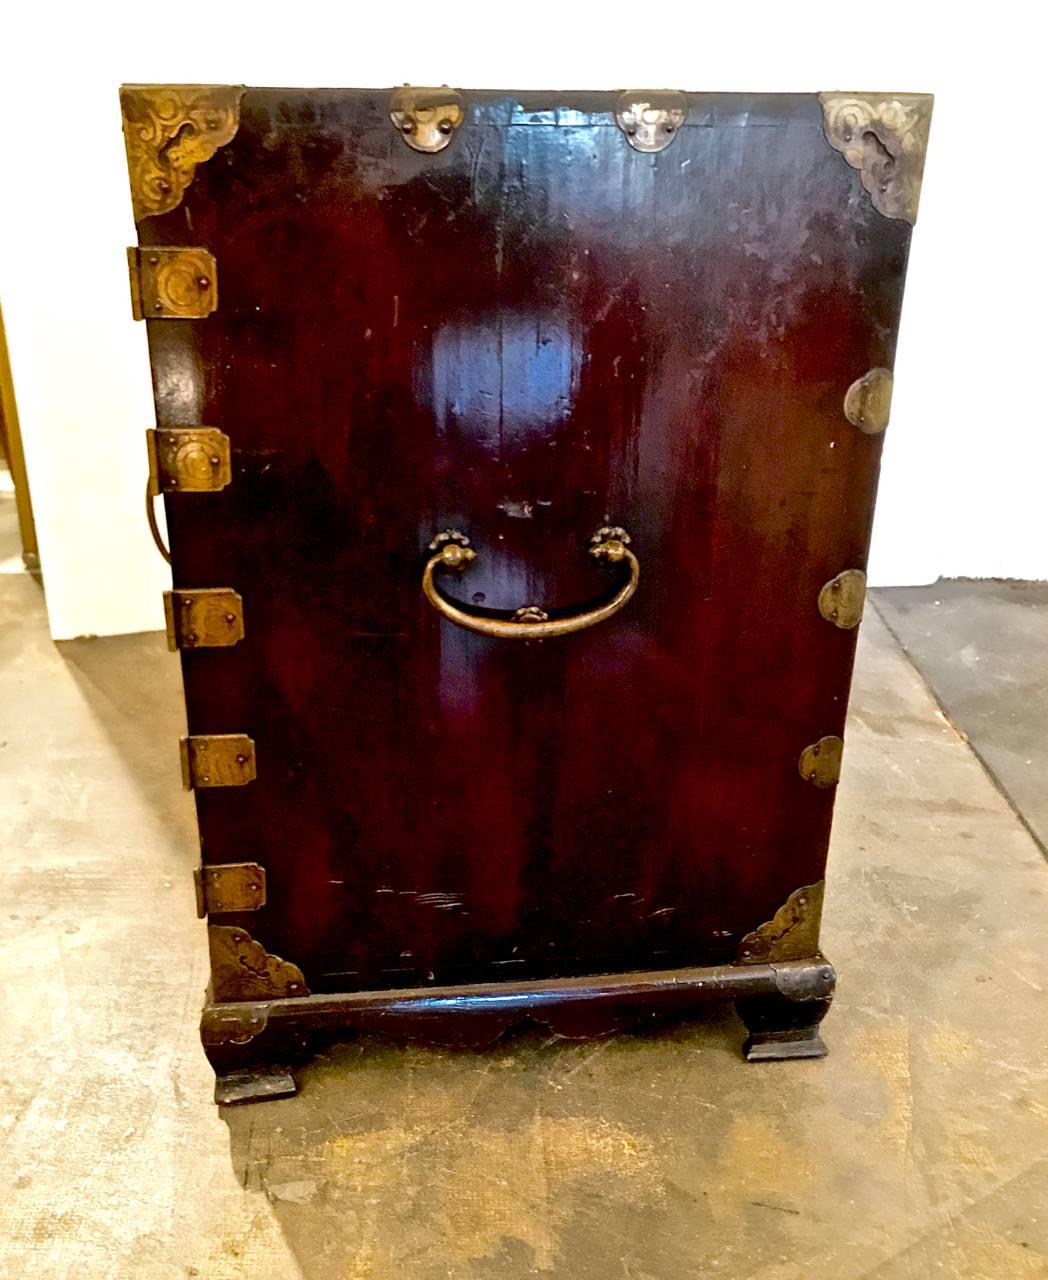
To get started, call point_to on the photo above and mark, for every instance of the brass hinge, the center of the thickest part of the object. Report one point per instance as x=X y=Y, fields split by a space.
x=172 y=283
x=228 y=887
x=188 y=459
x=217 y=760
x=210 y=618
x=426 y=118
x=650 y=118
x=820 y=764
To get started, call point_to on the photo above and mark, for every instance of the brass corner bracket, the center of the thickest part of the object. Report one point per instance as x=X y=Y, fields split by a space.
x=885 y=137
x=791 y=934
x=242 y=969
x=168 y=131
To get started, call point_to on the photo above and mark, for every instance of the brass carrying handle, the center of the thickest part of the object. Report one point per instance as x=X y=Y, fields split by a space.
x=152 y=493
x=529 y=623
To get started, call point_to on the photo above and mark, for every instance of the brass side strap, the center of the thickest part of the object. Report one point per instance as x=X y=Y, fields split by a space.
x=229 y=886
x=208 y=618
x=172 y=283
x=217 y=760
x=188 y=459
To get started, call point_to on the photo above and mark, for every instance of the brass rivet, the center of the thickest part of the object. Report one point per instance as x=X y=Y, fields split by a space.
x=669 y=128
x=407 y=127
x=158 y=306
x=153 y=259
x=231 y=617
x=192 y=638
x=444 y=126
x=214 y=460
x=203 y=282
x=206 y=777
x=241 y=759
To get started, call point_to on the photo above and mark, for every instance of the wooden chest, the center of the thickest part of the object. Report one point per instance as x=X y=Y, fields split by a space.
x=519 y=454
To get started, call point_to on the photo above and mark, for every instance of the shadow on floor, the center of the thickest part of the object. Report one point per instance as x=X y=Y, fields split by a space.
x=440 y=1163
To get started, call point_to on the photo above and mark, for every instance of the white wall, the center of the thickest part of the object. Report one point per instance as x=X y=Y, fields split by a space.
x=966 y=454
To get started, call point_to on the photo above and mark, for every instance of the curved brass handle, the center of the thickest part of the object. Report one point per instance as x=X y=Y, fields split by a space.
x=152 y=493
x=529 y=623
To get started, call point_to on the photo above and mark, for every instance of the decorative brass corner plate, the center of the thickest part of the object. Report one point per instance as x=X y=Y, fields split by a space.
x=241 y=969
x=885 y=137
x=172 y=283
x=426 y=118
x=210 y=618
x=792 y=933
x=168 y=131
x=217 y=760
x=842 y=598
x=868 y=401
x=188 y=459
x=229 y=886
x=650 y=118
x=820 y=764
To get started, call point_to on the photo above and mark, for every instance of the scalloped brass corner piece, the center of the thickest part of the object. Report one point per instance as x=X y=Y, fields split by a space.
x=791 y=934
x=242 y=969
x=168 y=131
x=885 y=137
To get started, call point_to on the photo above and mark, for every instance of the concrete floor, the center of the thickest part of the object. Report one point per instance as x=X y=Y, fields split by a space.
x=919 y=1148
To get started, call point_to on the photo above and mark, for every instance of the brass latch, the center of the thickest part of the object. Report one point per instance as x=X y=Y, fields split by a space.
x=426 y=118
x=188 y=459
x=229 y=887
x=172 y=284
x=650 y=118
x=209 y=618
x=217 y=760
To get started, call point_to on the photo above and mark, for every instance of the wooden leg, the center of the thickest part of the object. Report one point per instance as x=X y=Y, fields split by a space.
x=782 y=1028
x=254 y=1084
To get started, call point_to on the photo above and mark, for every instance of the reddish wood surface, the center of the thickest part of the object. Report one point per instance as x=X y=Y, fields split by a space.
x=532 y=333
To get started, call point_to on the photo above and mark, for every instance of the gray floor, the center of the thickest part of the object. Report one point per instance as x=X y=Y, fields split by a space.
x=919 y=1148
x=983 y=648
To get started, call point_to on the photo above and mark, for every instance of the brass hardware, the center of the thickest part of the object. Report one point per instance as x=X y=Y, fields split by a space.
x=820 y=764
x=168 y=131
x=885 y=137
x=228 y=887
x=868 y=401
x=651 y=118
x=426 y=118
x=242 y=969
x=209 y=618
x=793 y=932
x=217 y=760
x=454 y=552
x=152 y=493
x=842 y=598
x=188 y=460
x=172 y=284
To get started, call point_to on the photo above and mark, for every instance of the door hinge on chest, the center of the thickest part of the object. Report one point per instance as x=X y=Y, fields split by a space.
x=228 y=887
x=172 y=284
x=209 y=618
x=188 y=459
x=217 y=760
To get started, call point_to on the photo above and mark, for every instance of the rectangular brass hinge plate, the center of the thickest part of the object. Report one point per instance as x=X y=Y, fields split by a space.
x=172 y=284
x=217 y=760
x=229 y=887
x=188 y=459
x=209 y=618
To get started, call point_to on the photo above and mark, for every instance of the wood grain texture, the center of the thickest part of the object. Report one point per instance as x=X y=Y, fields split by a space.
x=533 y=333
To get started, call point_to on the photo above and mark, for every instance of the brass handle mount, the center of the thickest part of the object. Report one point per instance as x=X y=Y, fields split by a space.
x=453 y=552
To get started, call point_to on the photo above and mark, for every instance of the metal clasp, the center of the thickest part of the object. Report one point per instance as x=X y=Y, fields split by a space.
x=650 y=118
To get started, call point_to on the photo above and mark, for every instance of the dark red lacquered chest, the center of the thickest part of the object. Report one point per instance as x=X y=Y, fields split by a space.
x=519 y=453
